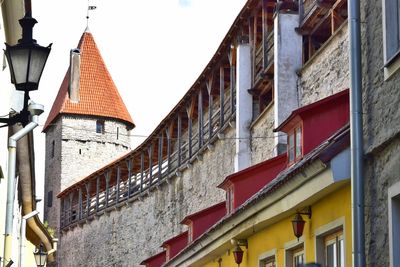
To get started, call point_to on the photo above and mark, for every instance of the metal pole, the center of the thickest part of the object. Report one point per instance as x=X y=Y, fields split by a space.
x=356 y=131
x=22 y=236
x=35 y=110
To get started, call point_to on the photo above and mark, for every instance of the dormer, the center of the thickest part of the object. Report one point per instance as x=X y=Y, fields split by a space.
x=175 y=245
x=242 y=185
x=201 y=221
x=155 y=261
x=310 y=125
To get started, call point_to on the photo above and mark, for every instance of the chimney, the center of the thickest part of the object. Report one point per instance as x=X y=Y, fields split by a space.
x=75 y=73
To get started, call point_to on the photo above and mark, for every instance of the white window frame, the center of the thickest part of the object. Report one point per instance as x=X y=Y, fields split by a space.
x=394 y=220
x=292 y=246
x=267 y=255
x=392 y=62
x=321 y=232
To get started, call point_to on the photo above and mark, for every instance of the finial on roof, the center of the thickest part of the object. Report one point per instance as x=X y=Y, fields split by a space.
x=87 y=15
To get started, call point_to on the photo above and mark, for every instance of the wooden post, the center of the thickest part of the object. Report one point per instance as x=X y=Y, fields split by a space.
x=97 y=192
x=167 y=132
x=107 y=177
x=179 y=139
x=189 y=111
x=118 y=183
x=71 y=196
x=160 y=155
x=221 y=95
x=210 y=106
x=88 y=198
x=150 y=154
x=80 y=211
x=141 y=170
x=264 y=33
x=200 y=118
x=129 y=165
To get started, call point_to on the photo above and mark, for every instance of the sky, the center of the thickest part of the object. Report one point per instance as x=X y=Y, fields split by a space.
x=153 y=49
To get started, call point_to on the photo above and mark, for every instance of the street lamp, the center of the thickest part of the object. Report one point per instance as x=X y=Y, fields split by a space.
x=40 y=256
x=26 y=61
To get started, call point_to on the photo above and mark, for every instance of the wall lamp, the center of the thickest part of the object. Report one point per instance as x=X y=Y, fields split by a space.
x=26 y=61
x=237 y=251
x=298 y=222
x=40 y=256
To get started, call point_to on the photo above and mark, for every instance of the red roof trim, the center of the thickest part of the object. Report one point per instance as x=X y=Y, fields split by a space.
x=171 y=240
x=270 y=162
x=202 y=212
x=302 y=110
x=153 y=257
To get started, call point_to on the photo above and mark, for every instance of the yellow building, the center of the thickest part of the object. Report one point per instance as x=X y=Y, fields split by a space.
x=313 y=190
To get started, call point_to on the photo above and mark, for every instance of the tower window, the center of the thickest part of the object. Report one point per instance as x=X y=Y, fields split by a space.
x=100 y=126
x=52 y=149
x=117 y=133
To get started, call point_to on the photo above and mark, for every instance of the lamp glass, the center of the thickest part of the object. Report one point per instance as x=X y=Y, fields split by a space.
x=298 y=225
x=40 y=256
x=238 y=254
x=26 y=65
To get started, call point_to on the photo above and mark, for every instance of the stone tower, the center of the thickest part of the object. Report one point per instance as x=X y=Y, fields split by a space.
x=88 y=125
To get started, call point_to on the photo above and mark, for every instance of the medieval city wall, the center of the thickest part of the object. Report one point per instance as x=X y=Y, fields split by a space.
x=327 y=71
x=116 y=237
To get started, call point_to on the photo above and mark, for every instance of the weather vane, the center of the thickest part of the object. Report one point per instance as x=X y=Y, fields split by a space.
x=87 y=14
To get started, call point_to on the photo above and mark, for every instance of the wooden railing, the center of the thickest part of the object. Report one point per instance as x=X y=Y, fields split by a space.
x=264 y=57
x=82 y=205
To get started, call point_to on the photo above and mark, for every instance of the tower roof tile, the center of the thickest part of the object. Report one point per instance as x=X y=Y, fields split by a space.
x=98 y=95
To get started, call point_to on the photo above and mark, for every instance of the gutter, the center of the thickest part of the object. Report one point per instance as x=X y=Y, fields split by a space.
x=356 y=135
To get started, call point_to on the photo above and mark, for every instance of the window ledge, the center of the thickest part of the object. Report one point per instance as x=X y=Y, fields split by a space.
x=392 y=66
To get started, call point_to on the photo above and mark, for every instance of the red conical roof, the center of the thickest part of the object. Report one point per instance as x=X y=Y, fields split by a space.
x=98 y=95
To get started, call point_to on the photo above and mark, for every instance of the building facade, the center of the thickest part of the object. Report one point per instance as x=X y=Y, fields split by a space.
x=381 y=116
x=276 y=58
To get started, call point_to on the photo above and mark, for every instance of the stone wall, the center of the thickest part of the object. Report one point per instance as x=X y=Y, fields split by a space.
x=262 y=142
x=381 y=100
x=327 y=71
x=85 y=151
x=116 y=238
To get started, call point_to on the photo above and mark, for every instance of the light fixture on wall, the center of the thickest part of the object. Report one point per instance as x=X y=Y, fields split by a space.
x=298 y=222
x=237 y=251
x=26 y=60
x=40 y=256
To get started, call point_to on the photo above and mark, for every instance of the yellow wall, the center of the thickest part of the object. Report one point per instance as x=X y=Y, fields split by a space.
x=332 y=207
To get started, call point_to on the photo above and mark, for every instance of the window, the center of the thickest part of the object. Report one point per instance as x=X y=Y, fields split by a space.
x=392 y=28
x=394 y=224
x=298 y=257
x=117 y=133
x=268 y=262
x=391 y=36
x=52 y=149
x=229 y=199
x=49 y=199
x=295 y=146
x=334 y=250
x=295 y=256
x=100 y=126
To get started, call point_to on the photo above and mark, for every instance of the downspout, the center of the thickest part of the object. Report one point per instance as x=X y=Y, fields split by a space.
x=356 y=132
x=22 y=237
x=35 y=110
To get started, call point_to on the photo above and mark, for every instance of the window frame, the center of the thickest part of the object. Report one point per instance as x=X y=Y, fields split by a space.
x=324 y=234
x=394 y=224
x=100 y=123
x=293 y=248
x=267 y=256
x=298 y=128
x=392 y=61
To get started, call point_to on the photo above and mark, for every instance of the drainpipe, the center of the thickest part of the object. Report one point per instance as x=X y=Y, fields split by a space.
x=35 y=110
x=22 y=236
x=356 y=132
